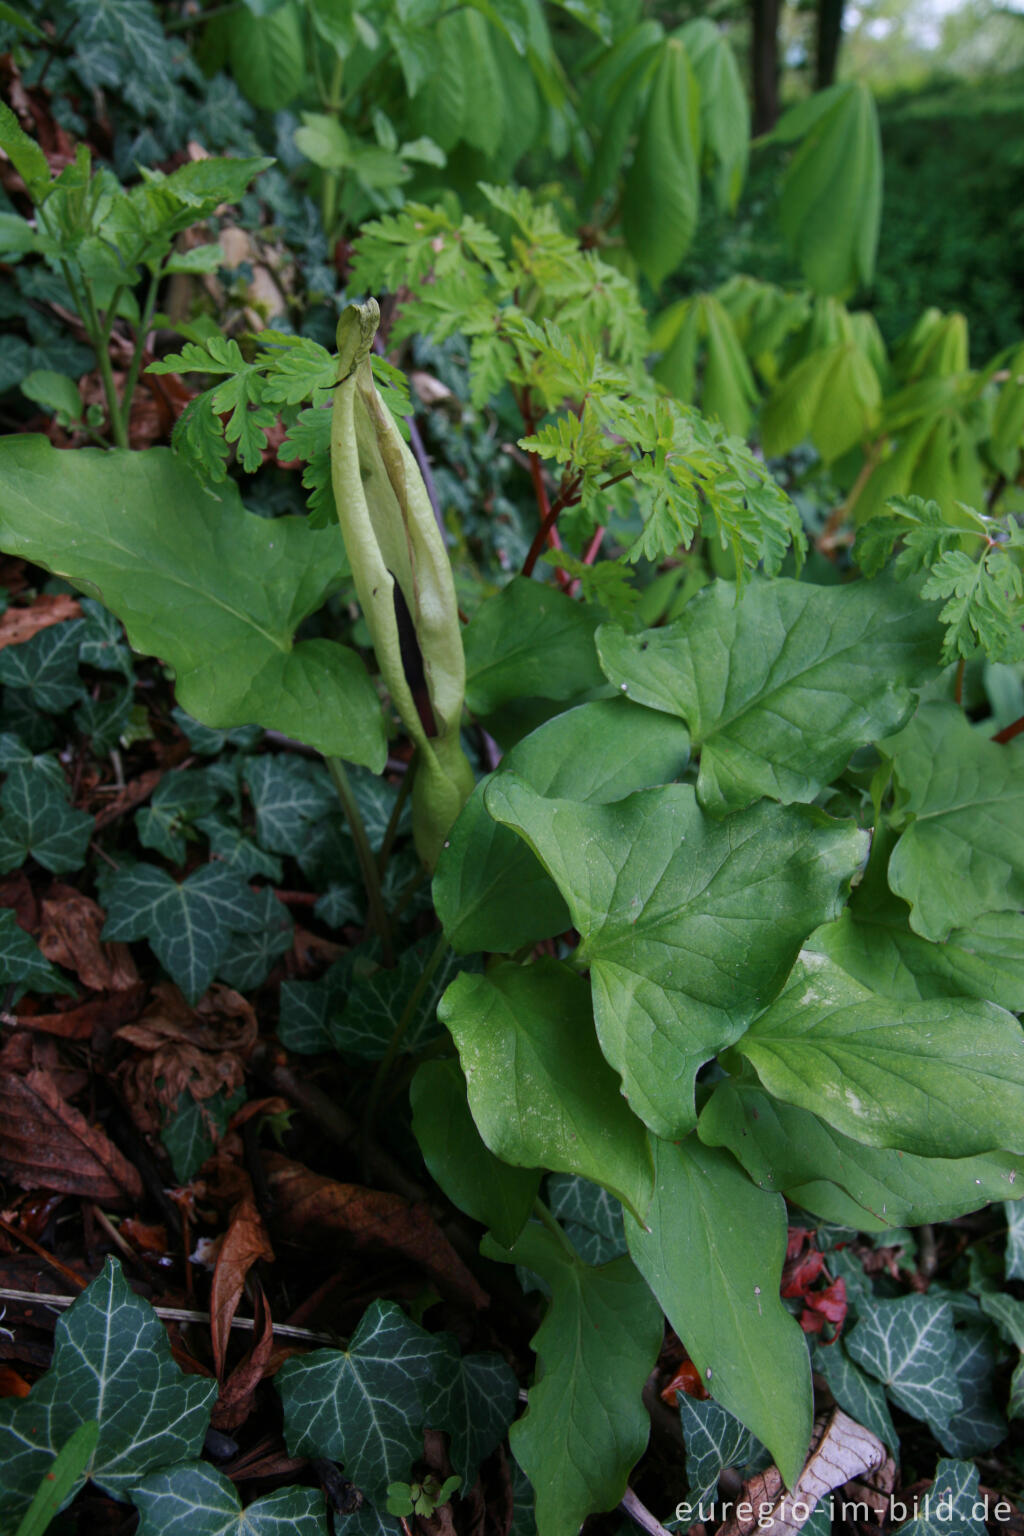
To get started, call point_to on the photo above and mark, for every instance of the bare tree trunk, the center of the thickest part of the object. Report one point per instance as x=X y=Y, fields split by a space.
x=830 y=35
x=765 y=63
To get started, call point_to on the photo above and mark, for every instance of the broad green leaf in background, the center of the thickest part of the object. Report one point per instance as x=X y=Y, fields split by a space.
x=952 y=1502
x=714 y=1439
x=727 y=389
x=490 y=892
x=591 y=1218
x=943 y=1077
x=780 y=686
x=614 y=92
x=492 y=1192
x=64 y=1476
x=363 y=1406
x=267 y=56
x=803 y=1157
x=585 y=1425
x=724 y=110
x=530 y=641
x=857 y=1394
x=196 y=580
x=540 y=1091
x=24 y=154
x=689 y=925
x=22 y=965
x=195 y=1499
x=111 y=1363
x=832 y=398
x=960 y=803
x=910 y=1346
x=189 y=926
x=662 y=192
x=831 y=198
x=712 y=1253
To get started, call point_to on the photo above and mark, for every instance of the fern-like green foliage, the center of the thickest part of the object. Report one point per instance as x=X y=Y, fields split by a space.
x=974 y=567
x=568 y=334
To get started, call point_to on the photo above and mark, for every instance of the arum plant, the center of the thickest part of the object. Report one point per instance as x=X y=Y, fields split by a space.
x=403 y=579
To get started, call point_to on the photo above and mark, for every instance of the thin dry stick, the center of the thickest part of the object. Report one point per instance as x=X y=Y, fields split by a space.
x=641 y=1515
x=174 y=1315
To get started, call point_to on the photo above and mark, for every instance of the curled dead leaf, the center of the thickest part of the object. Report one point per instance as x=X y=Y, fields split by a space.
x=244 y=1243
x=20 y=624
x=70 y=936
x=309 y=1206
x=176 y=1048
x=46 y=1143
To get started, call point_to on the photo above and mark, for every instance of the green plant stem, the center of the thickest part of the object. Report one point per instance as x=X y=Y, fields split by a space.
x=99 y=337
x=367 y=862
x=542 y=1214
x=142 y=331
x=400 y=1030
x=391 y=831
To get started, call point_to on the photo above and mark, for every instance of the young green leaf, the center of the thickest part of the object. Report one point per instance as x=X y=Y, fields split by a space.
x=24 y=153
x=668 y=902
x=61 y=1480
x=111 y=1363
x=712 y=1252
x=780 y=686
x=662 y=192
x=585 y=1425
x=540 y=1091
x=198 y=581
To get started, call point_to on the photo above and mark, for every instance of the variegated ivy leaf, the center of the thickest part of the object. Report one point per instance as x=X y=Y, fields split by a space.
x=476 y=1397
x=35 y=815
x=910 y=1346
x=855 y=1392
x=688 y=924
x=178 y=800
x=189 y=926
x=591 y=1218
x=779 y=685
x=46 y=666
x=979 y=1426
x=1014 y=1241
x=111 y=1363
x=714 y=1440
x=376 y=1003
x=21 y=963
x=249 y=956
x=290 y=796
x=197 y=1500
x=950 y=1506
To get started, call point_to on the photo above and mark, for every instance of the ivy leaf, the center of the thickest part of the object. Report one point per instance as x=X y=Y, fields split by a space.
x=873 y=1189
x=831 y=199
x=530 y=641
x=249 y=956
x=192 y=1129
x=35 y=817
x=215 y=592
x=951 y=1503
x=942 y=1077
x=165 y=823
x=591 y=1218
x=475 y=1401
x=231 y=847
x=712 y=1253
x=960 y=801
x=46 y=666
x=489 y=890
x=541 y=1093
x=585 y=1424
x=979 y=1426
x=781 y=686
x=290 y=797
x=467 y=1170
x=376 y=1003
x=196 y=1500
x=22 y=965
x=111 y=1363
x=910 y=1346
x=363 y=1406
x=189 y=926
x=714 y=1440
x=669 y=903
x=1014 y=1242
x=856 y=1393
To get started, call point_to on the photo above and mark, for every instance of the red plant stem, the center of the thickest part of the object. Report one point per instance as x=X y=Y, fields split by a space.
x=542 y=536
x=590 y=555
x=1008 y=732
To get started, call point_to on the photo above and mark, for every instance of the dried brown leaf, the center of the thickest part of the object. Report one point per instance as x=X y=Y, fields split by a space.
x=841 y=1450
x=310 y=1205
x=100 y=1014
x=234 y=1402
x=245 y=1242
x=46 y=1143
x=201 y=1049
x=70 y=936
x=20 y=624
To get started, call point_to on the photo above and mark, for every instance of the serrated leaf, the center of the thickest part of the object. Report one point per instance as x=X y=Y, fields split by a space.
x=540 y=1091
x=949 y=1505
x=960 y=801
x=530 y=641
x=111 y=1363
x=781 y=685
x=943 y=1077
x=46 y=666
x=831 y=197
x=669 y=903
x=67 y=1469
x=189 y=926
x=22 y=965
x=856 y=1393
x=363 y=1406
x=467 y=1170
x=196 y=1500
x=910 y=1346
x=591 y=1218
x=798 y=1153
x=712 y=1253
x=662 y=192
x=585 y=1425
x=198 y=581
x=714 y=1439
